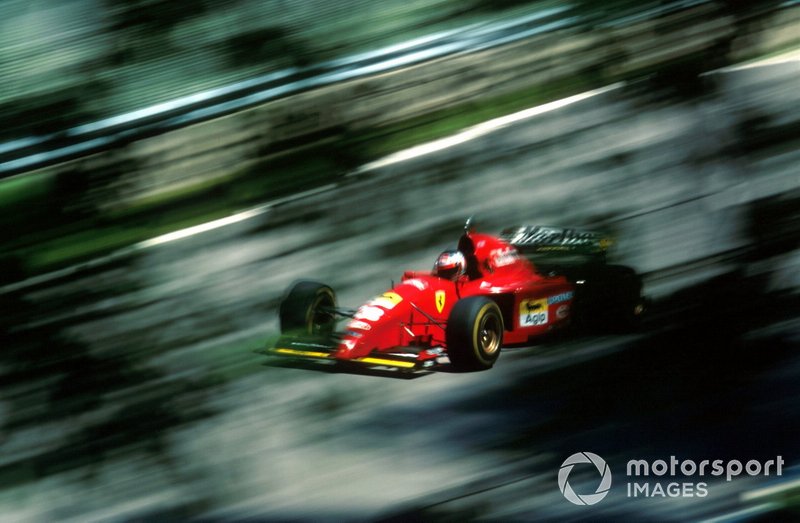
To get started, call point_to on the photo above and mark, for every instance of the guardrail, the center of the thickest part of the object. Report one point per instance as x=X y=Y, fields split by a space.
x=25 y=154
x=185 y=142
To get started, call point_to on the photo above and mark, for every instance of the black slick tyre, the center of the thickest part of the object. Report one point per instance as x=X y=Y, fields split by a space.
x=474 y=334
x=307 y=309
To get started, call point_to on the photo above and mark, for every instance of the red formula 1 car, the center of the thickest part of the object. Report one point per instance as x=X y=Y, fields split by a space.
x=479 y=298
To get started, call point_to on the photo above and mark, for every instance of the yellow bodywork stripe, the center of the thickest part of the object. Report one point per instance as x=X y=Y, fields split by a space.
x=392 y=363
x=306 y=353
x=373 y=361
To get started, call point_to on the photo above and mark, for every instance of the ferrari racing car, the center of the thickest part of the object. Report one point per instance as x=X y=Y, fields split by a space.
x=490 y=292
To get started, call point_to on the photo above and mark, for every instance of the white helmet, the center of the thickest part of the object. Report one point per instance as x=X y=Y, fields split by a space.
x=450 y=265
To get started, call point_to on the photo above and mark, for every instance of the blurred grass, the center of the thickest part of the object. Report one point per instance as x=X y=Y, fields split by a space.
x=230 y=361
x=439 y=124
x=23 y=190
x=51 y=242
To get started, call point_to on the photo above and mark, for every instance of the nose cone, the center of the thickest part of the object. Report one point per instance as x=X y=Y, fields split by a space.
x=377 y=323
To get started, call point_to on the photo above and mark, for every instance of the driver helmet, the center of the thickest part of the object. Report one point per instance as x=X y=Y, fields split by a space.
x=450 y=265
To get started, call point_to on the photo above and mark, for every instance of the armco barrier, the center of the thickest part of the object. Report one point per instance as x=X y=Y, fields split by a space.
x=222 y=147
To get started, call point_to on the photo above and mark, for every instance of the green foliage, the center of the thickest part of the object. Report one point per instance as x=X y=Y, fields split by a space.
x=50 y=112
x=593 y=11
x=269 y=45
x=151 y=16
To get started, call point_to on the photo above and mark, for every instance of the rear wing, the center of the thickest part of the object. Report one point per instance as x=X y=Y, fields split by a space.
x=538 y=239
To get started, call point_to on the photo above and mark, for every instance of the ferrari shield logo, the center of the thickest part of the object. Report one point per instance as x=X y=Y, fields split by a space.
x=440 y=296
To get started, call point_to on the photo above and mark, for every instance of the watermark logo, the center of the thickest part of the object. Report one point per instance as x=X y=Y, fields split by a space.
x=644 y=477
x=602 y=468
x=663 y=478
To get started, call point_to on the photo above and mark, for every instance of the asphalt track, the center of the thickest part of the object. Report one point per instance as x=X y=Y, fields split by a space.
x=299 y=442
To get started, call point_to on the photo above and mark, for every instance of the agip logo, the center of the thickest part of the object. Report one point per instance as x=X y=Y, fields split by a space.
x=602 y=488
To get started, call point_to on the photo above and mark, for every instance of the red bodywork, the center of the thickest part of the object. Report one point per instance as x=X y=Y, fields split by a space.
x=414 y=313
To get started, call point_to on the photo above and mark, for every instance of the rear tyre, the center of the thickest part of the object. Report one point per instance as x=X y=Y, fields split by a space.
x=308 y=309
x=631 y=316
x=474 y=334
x=632 y=307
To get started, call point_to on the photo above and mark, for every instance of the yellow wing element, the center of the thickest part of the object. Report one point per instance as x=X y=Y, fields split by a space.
x=387 y=300
x=305 y=353
x=370 y=360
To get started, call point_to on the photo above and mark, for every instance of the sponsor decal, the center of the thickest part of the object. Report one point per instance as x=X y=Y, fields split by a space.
x=304 y=344
x=349 y=344
x=554 y=236
x=388 y=300
x=359 y=325
x=490 y=286
x=503 y=257
x=562 y=312
x=369 y=313
x=533 y=312
x=419 y=284
x=440 y=297
x=558 y=298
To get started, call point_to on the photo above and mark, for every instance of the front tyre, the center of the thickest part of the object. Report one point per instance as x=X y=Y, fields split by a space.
x=308 y=309
x=474 y=333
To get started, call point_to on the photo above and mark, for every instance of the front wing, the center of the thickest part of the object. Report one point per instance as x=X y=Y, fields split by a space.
x=325 y=349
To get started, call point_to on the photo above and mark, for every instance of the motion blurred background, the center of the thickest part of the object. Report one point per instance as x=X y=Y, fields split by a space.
x=168 y=168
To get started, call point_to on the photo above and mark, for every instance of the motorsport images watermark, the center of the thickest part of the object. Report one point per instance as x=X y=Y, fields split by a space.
x=640 y=474
x=602 y=468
